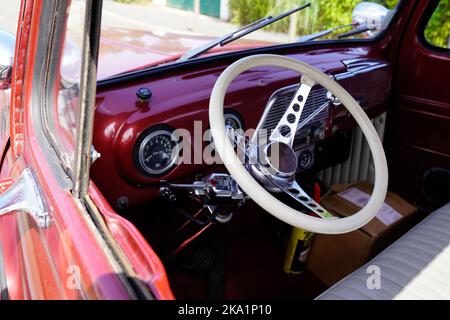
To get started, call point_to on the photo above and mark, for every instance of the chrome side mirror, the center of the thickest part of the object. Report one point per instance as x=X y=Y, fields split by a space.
x=7 y=48
x=371 y=15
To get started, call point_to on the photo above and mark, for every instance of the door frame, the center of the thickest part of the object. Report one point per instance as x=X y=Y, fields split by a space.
x=74 y=258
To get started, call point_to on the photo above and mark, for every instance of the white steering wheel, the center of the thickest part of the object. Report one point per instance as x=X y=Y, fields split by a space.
x=289 y=122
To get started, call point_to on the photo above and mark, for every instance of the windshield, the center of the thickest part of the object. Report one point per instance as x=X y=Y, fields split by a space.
x=139 y=34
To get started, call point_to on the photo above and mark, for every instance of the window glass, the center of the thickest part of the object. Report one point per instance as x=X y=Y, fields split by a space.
x=9 y=18
x=140 y=34
x=63 y=118
x=437 y=31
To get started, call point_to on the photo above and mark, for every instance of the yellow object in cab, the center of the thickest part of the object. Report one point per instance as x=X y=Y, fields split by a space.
x=297 y=251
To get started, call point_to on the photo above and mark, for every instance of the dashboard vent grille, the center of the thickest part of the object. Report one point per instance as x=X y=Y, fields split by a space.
x=281 y=99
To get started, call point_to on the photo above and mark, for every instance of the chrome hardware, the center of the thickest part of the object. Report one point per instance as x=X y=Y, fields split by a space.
x=279 y=102
x=287 y=126
x=333 y=99
x=219 y=193
x=277 y=162
x=296 y=192
x=24 y=196
x=94 y=155
x=371 y=15
x=217 y=185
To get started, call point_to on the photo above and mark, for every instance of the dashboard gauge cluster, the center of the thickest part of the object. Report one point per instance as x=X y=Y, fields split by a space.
x=156 y=151
x=233 y=120
x=305 y=156
x=305 y=159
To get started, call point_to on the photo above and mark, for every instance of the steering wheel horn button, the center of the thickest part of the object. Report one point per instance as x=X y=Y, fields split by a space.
x=280 y=159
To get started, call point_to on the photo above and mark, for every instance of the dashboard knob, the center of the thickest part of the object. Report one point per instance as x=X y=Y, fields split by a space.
x=144 y=94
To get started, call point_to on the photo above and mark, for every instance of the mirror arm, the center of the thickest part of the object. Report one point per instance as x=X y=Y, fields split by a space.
x=23 y=195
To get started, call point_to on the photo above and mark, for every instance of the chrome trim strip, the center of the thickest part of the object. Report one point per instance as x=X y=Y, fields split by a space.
x=358 y=66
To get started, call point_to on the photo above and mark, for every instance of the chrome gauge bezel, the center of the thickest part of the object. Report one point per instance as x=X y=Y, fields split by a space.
x=139 y=153
x=235 y=117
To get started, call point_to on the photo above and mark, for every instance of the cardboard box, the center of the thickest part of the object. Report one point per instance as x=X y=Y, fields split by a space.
x=333 y=257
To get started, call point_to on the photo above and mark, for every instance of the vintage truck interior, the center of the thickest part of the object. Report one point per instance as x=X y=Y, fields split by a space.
x=372 y=105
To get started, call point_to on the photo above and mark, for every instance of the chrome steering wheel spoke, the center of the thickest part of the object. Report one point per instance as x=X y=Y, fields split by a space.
x=293 y=189
x=286 y=128
x=296 y=192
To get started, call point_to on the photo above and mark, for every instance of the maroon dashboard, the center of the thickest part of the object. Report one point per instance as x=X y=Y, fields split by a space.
x=180 y=97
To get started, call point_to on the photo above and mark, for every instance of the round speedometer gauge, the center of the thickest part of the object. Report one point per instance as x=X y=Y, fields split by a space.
x=157 y=152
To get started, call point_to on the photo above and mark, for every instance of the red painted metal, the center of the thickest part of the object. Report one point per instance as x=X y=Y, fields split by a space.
x=39 y=263
x=419 y=123
x=144 y=260
x=5 y=184
x=123 y=50
x=68 y=260
x=20 y=61
x=181 y=98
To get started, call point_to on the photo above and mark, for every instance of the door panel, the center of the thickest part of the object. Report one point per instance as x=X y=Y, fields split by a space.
x=74 y=258
x=419 y=126
x=69 y=259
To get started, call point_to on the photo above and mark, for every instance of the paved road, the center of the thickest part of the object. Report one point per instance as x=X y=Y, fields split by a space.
x=9 y=15
x=157 y=18
x=148 y=17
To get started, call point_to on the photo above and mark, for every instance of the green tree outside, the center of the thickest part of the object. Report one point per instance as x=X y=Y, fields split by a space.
x=437 y=32
x=324 y=14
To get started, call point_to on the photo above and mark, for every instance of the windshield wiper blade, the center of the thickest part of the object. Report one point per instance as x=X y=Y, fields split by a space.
x=322 y=33
x=357 y=30
x=261 y=23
